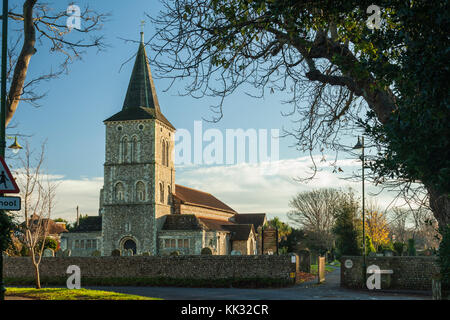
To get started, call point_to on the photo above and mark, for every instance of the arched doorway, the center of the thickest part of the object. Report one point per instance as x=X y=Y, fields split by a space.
x=129 y=244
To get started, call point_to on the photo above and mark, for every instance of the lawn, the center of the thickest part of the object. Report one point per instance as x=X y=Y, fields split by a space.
x=66 y=294
x=329 y=267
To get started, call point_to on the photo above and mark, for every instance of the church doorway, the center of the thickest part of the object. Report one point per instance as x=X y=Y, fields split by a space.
x=129 y=244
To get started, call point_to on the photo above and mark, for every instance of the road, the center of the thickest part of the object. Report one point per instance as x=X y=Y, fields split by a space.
x=330 y=290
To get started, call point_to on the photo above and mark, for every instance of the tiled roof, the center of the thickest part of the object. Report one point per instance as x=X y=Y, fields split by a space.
x=256 y=219
x=239 y=231
x=53 y=227
x=200 y=198
x=213 y=224
x=89 y=224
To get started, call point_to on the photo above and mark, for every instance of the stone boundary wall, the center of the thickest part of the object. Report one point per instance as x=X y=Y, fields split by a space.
x=172 y=267
x=410 y=273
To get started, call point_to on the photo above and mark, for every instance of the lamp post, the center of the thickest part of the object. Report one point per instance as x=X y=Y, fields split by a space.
x=360 y=145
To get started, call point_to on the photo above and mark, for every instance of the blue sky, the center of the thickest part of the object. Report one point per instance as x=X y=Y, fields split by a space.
x=71 y=116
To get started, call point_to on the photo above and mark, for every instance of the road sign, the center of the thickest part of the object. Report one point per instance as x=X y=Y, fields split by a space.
x=10 y=203
x=7 y=181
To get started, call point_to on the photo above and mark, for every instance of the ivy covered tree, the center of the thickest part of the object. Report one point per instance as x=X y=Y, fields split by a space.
x=390 y=82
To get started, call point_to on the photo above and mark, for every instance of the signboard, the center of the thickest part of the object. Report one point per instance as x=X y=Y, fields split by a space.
x=10 y=203
x=348 y=263
x=7 y=181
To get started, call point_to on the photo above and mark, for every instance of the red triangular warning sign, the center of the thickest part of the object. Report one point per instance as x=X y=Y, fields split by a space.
x=7 y=181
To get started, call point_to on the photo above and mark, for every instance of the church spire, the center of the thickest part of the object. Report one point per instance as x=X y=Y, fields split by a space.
x=141 y=89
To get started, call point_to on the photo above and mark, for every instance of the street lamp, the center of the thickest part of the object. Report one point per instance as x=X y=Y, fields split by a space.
x=15 y=146
x=360 y=145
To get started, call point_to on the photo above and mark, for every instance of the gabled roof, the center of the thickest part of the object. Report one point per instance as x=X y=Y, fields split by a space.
x=239 y=231
x=141 y=101
x=199 y=198
x=213 y=224
x=89 y=224
x=256 y=219
x=53 y=227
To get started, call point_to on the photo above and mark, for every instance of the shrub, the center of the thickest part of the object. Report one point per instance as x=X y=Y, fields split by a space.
x=50 y=243
x=206 y=250
x=399 y=247
x=411 y=247
x=369 y=245
x=174 y=253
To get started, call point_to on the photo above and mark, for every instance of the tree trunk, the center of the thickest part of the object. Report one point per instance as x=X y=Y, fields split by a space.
x=440 y=205
x=37 y=276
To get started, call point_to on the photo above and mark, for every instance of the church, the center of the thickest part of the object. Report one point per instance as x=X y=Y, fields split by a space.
x=142 y=210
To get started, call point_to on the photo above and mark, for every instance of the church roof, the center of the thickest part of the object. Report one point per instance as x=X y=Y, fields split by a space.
x=181 y=222
x=89 y=224
x=141 y=101
x=256 y=219
x=239 y=231
x=200 y=198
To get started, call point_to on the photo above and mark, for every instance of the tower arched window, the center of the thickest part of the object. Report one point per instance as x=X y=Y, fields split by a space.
x=140 y=191
x=119 y=191
x=135 y=149
x=123 y=154
x=161 y=192
x=169 y=195
x=167 y=153
x=163 y=152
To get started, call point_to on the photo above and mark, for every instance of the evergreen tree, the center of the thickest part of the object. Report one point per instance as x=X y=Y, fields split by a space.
x=346 y=231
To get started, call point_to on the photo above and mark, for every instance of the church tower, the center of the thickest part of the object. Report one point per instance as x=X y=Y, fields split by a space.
x=139 y=173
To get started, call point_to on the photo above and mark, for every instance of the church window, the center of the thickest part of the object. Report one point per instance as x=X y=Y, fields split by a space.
x=119 y=128
x=161 y=192
x=81 y=244
x=77 y=244
x=140 y=191
x=141 y=126
x=135 y=149
x=169 y=195
x=127 y=227
x=119 y=191
x=167 y=154
x=123 y=153
x=172 y=243
x=163 y=152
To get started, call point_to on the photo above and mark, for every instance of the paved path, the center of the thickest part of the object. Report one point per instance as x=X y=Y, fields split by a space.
x=330 y=290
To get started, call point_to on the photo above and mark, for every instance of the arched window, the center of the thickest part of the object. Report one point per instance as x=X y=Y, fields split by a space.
x=161 y=192
x=163 y=152
x=119 y=191
x=140 y=191
x=135 y=149
x=169 y=195
x=167 y=154
x=123 y=154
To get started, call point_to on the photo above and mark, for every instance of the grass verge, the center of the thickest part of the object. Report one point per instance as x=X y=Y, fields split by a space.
x=66 y=294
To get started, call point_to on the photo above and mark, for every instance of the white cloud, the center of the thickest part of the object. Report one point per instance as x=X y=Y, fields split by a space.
x=265 y=187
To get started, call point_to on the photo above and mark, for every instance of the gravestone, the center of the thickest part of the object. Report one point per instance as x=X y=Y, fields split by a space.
x=116 y=253
x=146 y=253
x=235 y=253
x=67 y=253
x=49 y=253
x=304 y=257
x=59 y=253
x=96 y=253
x=388 y=253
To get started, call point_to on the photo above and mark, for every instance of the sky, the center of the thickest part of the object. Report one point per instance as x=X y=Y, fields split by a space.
x=71 y=116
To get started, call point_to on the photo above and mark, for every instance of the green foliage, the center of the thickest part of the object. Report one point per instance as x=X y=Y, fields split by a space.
x=283 y=250
x=176 y=253
x=293 y=239
x=345 y=228
x=399 y=247
x=384 y=247
x=50 y=243
x=206 y=250
x=369 y=245
x=444 y=257
x=284 y=230
x=411 y=247
x=7 y=226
